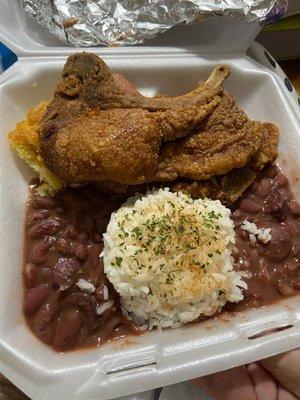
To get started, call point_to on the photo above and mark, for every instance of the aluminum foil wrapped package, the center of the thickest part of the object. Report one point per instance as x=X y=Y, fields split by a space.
x=128 y=22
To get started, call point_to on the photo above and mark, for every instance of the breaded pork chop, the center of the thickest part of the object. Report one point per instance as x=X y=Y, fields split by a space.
x=95 y=130
x=229 y=187
x=225 y=140
x=117 y=145
x=88 y=84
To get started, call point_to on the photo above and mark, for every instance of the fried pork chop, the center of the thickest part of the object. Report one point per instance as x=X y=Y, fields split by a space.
x=118 y=145
x=94 y=131
x=225 y=140
x=88 y=84
x=229 y=187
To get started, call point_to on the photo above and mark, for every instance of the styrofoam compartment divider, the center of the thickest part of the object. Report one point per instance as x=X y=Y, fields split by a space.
x=155 y=359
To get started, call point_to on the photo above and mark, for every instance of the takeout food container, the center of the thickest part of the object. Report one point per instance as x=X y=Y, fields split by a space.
x=136 y=364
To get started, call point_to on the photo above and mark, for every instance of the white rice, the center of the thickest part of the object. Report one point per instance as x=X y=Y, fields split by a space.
x=104 y=307
x=85 y=286
x=255 y=233
x=169 y=258
x=105 y=293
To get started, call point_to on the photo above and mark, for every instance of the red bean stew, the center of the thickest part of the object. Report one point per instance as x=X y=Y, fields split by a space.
x=63 y=241
x=275 y=266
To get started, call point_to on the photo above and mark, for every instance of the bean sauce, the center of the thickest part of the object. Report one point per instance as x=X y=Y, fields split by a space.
x=63 y=241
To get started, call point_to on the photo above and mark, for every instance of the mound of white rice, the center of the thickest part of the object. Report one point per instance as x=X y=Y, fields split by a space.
x=169 y=258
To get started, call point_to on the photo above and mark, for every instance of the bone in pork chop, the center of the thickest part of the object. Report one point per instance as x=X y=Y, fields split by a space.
x=88 y=84
x=94 y=131
x=229 y=187
x=220 y=161
x=225 y=140
x=118 y=145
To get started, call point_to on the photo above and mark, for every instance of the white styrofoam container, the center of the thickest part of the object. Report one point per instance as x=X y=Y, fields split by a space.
x=155 y=359
x=134 y=364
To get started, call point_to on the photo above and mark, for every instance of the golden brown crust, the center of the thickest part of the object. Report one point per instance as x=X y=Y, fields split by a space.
x=118 y=145
x=76 y=128
x=87 y=84
x=226 y=139
x=228 y=188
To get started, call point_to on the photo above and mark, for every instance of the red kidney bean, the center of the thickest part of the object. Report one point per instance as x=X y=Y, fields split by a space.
x=39 y=251
x=44 y=322
x=294 y=207
x=64 y=272
x=263 y=188
x=277 y=205
x=81 y=252
x=236 y=214
x=30 y=275
x=109 y=326
x=65 y=247
x=243 y=234
x=94 y=252
x=35 y=298
x=273 y=202
x=61 y=246
x=82 y=238
x=249 y=206
x=283 y=211
x=272 y=171
x=285 y=288
x=87 y=305
x=47 y=273
x=242 y=263
x=36 y=216
x=70 y=232
x=44 y=202
x=279 y=246
x=292 y=226
x=47 y=227
x=295 y=282
x=244 y=252
x=290 y=266
x=296 y=246
x=97 y=237
x=68 y=330
x=92 y=276
x=253 y=187
x=281 y=180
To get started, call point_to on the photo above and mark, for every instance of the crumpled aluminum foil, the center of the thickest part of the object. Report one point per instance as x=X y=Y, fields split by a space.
x=128 y=22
